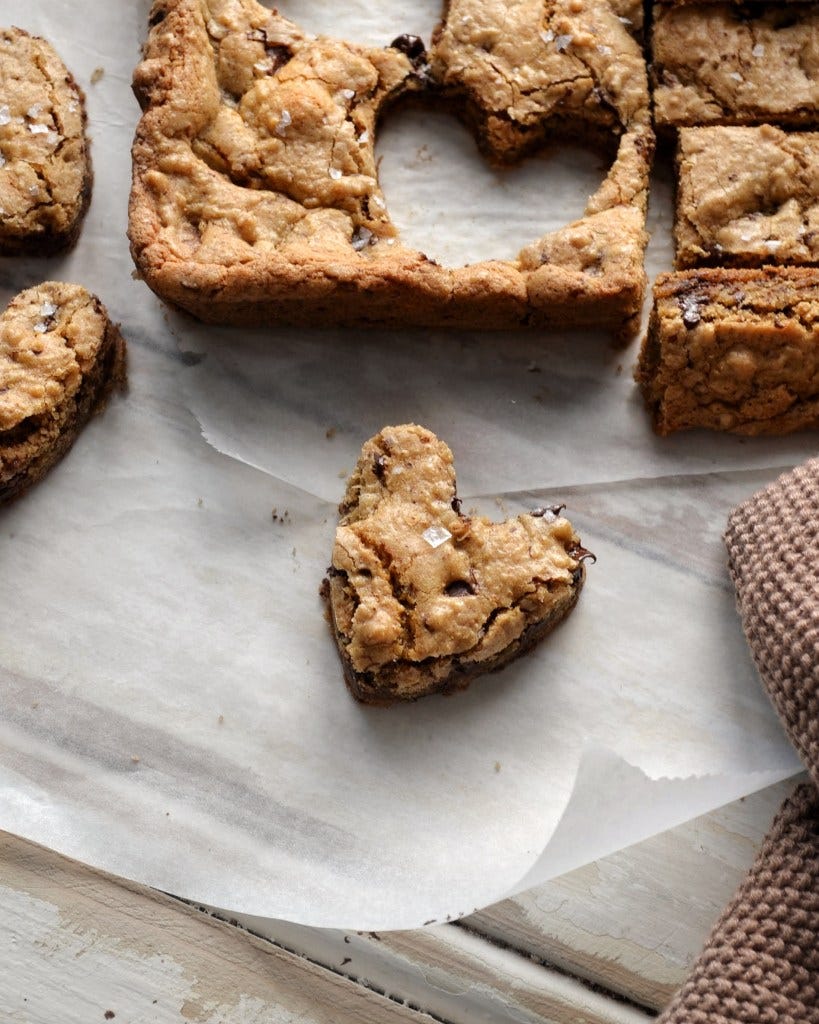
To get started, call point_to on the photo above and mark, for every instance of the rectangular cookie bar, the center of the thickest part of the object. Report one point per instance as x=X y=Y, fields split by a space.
x=725 y=63
x=734 y=350
x=746 y=197
x=255 y=194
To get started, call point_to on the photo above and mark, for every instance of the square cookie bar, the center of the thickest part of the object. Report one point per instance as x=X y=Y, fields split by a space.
x=255 y=194
x=45 y=167
x=734 y=350
x=726 y=63
x=746 y=197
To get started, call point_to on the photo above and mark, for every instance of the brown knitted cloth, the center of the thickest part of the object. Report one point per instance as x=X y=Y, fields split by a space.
x=773 y=555
x=761 y=963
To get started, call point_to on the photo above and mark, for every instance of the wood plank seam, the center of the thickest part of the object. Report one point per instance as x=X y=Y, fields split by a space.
x=349 y=976
x=596 y=987
x=451 y=974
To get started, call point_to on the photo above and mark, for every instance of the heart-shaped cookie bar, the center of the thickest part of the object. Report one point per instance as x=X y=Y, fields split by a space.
x=424 y=598
x=60 y=356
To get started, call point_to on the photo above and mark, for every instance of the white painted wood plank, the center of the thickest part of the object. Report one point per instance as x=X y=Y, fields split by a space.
x=80 y=941
x=453 y=974
x=635 y=921
x=79 y=947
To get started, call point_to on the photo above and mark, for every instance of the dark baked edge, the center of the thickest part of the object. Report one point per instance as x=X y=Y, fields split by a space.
x=107 y=375
x=460 y=676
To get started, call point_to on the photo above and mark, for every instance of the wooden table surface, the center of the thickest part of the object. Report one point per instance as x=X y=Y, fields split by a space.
x=606 y=944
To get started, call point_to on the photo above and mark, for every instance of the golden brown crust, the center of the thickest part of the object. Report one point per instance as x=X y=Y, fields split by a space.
x=256 y=198
x=747 y=197
x=726 y=63
x=45 y=165
x=733 y=350
x=60 y=357
x=422 y=597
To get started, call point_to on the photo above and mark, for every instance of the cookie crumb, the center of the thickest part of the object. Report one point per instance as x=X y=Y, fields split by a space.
x=96 y=76
x=330 y=433
x=497 y=767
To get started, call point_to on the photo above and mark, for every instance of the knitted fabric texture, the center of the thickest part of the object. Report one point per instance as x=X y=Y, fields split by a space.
x=761 y=963
x=773 y=556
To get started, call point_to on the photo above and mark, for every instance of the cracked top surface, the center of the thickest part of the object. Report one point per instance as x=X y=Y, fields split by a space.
x=423 y=581
x=50 y=337
x=747 y=196
x=524 y=62
x=44 y=162
x=254 y=162
x=726 y=64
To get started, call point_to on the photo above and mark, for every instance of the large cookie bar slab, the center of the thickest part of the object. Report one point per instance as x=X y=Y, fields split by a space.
x=256 y=197
x=424 y=598
x=45 y=167
x=725 y=63
x=747 y=197
x=60 y=356
x=734 y=350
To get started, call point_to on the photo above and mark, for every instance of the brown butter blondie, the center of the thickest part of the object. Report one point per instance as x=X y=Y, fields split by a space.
x=747 y=197
x=734 y=350
x=45 y=166
x=726 y=63
x=424 y=598
x=256 y=199
x=60 y=357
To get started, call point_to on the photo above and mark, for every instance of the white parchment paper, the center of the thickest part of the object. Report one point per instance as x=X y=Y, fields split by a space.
x=172 y=703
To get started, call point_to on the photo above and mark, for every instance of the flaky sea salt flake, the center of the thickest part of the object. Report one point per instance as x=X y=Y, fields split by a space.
x=562 y=43
x=39 y=129
x=362 y=238
x=284 y=120
x=335 y=173
x=435 y=536
x=40 y=328
x=737 y=77
x=5 y=115
x=758 y=50
x=47 y=309
x=547 y=37
x=348 y=94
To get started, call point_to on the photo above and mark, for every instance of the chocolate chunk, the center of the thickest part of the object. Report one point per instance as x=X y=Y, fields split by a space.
x=412 y=46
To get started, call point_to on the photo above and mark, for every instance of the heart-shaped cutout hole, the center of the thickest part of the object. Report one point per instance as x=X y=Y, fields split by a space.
x=362 y=21
x=449 y=203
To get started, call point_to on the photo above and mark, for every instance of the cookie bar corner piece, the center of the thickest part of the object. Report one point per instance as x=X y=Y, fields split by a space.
x=60 y=358
x=731 y=63
x=422 y=597
x=45 y=162
x=733 y=350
